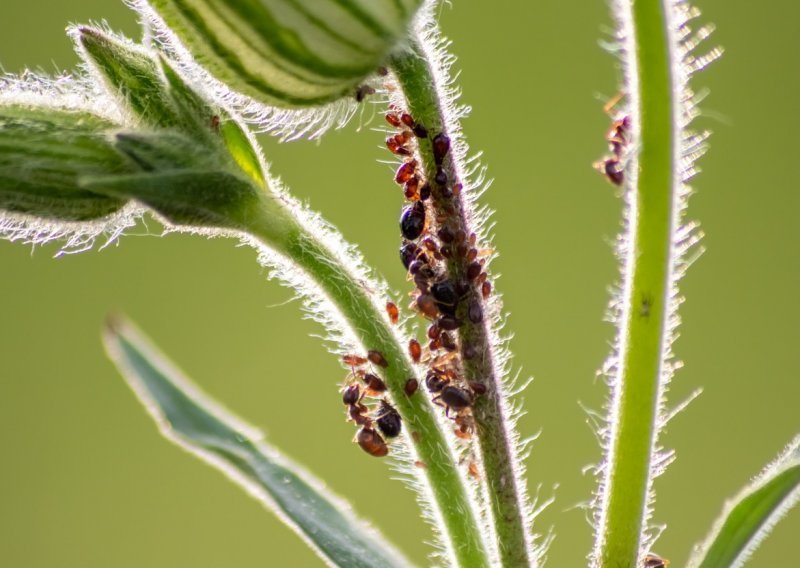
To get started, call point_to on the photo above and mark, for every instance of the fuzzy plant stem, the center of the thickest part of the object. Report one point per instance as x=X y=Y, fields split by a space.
x=416 y=78
x=652 y=219
x=456 y=517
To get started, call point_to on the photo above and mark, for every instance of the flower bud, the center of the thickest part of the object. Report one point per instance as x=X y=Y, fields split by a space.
x=286 y=54
x=44 y=154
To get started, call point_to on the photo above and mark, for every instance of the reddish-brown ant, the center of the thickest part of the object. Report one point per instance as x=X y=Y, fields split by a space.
x=358 y=414
x=371 y=442
x=353 y=360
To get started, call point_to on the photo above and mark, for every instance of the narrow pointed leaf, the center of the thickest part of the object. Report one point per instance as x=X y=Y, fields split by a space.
x=748 y=518
x=192 y=421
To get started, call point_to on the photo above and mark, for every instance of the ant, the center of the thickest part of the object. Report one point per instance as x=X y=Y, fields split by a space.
x=371 y=442
x=618 y=139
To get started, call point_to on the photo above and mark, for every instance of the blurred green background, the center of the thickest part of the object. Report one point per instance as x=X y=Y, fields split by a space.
x=86 y=481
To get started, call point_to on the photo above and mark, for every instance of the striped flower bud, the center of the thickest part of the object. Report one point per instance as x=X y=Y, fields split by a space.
x=285 y=53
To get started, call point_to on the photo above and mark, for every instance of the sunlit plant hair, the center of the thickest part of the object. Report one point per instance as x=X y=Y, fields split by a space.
x=166 y=127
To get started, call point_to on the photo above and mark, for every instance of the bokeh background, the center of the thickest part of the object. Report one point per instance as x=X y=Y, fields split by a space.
x=85 y=481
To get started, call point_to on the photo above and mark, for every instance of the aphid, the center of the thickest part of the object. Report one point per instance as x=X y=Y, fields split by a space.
x=420 y=464
x=393 y=119
x=407 y=119
x=392 y=312
x=374 y=383
x=473 y=470
x=389 y=421
x=371 y=442
x=469 y=352
x=454 y=398
x=434 y=331
x=449 y=323
x=397 y=146
x=441 y=146
x=474 y=270
x=440 y=177
x=411 y=386
x=363 y=92
x=420 y=131
x=377 y=358
x=215 y=123
x=409 y=252
x=472 y=254
x=435 y=345
x=486 y=289
x=447 y=342
x=353 y=360
x=465 y=426
x=477 y=388
x=351 y=394
x=430 y=244
x=475 y=311
x=427 y=305
x=425 y=192
x=446 y=296
x=405 y=172
x=434 y=382
x=382 y=71
x=457 y=187
x=411 y=189
x=417 y=436
x=446 y=235
x=653 y=561
x=412 y=221
x=415 y=350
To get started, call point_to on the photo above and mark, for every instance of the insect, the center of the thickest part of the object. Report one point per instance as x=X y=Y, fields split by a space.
x=392 y=312
x=377 y=358
x=435 y=382
x=374 y=384
x=415 y=350
x=353 y=360
x=441 y=146
x=363 y=91
x=454 y=398
x=371 y=442
x=446 y=297
x=477 y=388
x=411 y=386
x=475 y=312
x=388 y=420
x=412 y=221
x=653 y=561
x=351 y=394
x=405 y=172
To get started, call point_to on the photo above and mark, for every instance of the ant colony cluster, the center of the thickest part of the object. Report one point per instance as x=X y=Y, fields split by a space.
x=618 y=137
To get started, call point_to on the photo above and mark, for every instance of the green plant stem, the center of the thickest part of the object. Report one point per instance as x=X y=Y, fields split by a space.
x=414 y=73
x=648 y=269
x=457 y=520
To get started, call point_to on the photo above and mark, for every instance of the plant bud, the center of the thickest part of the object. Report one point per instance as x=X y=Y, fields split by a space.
x=286 y=54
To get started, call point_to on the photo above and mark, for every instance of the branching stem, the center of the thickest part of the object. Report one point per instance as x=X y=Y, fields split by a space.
x=458 y=517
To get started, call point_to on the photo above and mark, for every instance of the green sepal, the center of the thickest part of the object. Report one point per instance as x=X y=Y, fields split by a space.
x=43 y=155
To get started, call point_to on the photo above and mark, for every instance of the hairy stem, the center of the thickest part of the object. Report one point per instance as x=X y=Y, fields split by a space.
x=643 y=335
x=456 y=517
x=417 y=81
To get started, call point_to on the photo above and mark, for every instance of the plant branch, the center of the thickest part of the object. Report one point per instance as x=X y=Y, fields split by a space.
x=451 y=208
x=453 y=515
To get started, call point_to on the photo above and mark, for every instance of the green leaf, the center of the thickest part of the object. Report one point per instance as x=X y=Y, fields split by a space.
x=748 y=518
x=197 y=424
